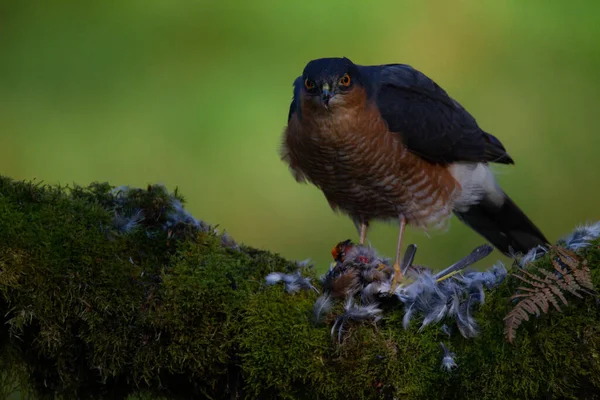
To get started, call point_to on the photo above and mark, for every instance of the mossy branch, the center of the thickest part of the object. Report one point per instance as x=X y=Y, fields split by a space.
x=109 y=294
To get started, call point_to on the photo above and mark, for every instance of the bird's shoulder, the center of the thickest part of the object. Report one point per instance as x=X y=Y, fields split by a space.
x=432 y=124
x=404 y=77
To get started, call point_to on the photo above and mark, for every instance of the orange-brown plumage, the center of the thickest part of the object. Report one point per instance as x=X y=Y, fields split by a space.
x=362 y=168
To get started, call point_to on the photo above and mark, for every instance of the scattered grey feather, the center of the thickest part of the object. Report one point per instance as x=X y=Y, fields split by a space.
x=407 y=316
x=304 y=263
x=438 y=311
x=127 y=222
x=466 y=323
x=179 y=215
x=322 y=305
x=474 y=282
x=409 y=257
x=292 y=287
x=362 y=313
x=451 y=298
x=330 y=272
x=228 y=241
x=446 y=330
x=532 y=255
x=274 y=277
x=490 y=278
x=292 y=282
x=448 y=363
x=120 y=192
x=581 y=237
x=355 y=313
x=370 y=293
x=478 y=254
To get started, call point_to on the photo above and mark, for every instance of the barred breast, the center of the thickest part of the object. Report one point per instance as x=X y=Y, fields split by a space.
x=363 y=169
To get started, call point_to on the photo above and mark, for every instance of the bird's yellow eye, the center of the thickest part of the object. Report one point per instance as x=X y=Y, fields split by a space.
x=345 y=80
x=309 y=84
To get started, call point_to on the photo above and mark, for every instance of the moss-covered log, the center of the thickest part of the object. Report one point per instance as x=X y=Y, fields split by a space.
x=108 y=293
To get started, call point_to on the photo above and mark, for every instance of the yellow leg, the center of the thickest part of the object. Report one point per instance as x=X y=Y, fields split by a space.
x=397 y=271
x=363 y=233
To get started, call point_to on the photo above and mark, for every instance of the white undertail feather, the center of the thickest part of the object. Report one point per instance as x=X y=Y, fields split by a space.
x=477 y=181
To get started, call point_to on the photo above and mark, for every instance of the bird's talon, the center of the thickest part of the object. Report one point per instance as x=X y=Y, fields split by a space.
x=398 y=277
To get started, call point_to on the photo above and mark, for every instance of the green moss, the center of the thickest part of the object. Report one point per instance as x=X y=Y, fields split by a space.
x=167 y=310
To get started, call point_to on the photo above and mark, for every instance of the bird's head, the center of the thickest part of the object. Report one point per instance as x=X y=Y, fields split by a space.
x=341 y=249
x=326 y=81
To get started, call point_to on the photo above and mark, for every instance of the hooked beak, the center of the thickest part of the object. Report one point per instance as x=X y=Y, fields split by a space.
x=326 y=95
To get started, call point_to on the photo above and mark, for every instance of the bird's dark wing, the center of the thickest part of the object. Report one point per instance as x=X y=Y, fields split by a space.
x=431 y=123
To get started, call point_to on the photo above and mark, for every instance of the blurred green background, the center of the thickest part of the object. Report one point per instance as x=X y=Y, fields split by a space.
x=195 y=95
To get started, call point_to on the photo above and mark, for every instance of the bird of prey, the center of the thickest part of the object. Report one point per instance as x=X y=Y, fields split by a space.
x=385 y=142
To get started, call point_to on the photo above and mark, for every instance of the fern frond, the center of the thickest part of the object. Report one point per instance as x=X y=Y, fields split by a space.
x=558 y=293
x=583 y=276
x=541 y=301
x=512 y=321
x=533 y=282
x=544 y=287
x=547 y=293
x=567 y=257
x=570 y=285
x=530 y=306
x=550 y=275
